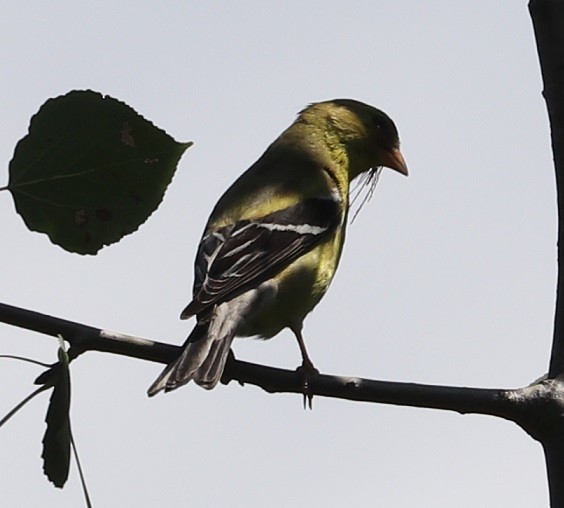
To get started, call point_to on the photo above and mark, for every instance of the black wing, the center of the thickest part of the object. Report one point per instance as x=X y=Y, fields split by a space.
x=241 y=256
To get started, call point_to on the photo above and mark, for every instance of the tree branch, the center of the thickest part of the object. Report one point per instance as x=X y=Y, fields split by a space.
x=508 y=404
x=88 y=338
x=548 y=24
x=495 y=402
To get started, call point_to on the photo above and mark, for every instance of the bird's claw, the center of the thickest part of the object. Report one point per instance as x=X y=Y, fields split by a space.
x=305 y=371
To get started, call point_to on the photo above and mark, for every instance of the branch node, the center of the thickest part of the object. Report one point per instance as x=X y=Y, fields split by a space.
x=539 y=408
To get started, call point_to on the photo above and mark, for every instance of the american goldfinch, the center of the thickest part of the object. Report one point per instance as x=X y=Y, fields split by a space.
x=273 y=241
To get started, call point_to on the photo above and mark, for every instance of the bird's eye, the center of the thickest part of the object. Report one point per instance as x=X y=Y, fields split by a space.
x=376 y=123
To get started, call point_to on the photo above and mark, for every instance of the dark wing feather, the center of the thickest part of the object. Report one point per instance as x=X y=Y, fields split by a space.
x=241 y=256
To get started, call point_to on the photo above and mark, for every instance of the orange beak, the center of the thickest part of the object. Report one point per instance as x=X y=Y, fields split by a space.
x=393 y=159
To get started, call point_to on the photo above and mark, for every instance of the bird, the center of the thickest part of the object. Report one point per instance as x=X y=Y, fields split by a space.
x=274 y=239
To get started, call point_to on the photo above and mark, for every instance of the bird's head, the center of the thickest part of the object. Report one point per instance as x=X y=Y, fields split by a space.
x=368 y=136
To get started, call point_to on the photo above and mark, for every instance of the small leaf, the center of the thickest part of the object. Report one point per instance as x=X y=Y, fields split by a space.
x=90 y=170
x=57 y=438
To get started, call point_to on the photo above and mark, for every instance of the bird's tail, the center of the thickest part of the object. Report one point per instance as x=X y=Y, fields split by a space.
x=203 y=358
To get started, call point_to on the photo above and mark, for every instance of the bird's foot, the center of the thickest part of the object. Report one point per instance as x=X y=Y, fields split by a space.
x=305 y=371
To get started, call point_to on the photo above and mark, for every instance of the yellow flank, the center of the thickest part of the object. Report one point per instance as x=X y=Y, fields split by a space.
x=299 y=288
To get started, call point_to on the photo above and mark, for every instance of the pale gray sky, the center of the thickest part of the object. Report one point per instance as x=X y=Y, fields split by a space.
x=455 y=266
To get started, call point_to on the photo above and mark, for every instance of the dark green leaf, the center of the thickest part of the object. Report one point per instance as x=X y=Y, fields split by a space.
x=57 y=439
x=90 y=171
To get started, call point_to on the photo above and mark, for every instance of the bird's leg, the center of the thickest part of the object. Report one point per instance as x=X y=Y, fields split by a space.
x=306 y=369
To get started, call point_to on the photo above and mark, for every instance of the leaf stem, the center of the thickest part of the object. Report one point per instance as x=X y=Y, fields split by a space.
x=23 y=403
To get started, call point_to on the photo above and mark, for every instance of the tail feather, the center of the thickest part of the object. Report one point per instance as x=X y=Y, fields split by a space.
x=203 y=358
x=209 y=373
x=207 y=348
